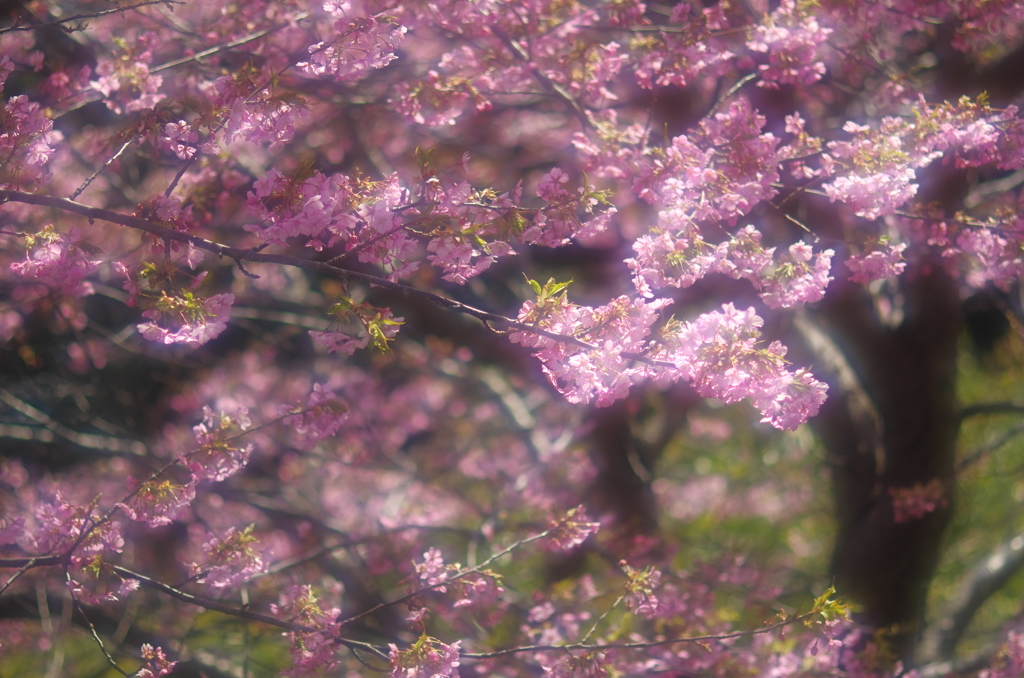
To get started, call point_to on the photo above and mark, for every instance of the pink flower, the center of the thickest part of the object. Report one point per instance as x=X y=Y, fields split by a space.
x=157 y=502
x=640 y=587
x=217 y=459
x=678 y=256
x=718 y=353
x=321 y=419
x=137 y=89
x=180 y=139
x=200 y=319
x=363 y=44
x=886 y=262
x=58 y=261
x=718 y=172
x=27 y=138
x=427 y=658
x=229 y=560
x=437 y=100
x=917 y=501
x=92 y=581
x=874 y=195
x=432 y=570
x=56 y=524
x=339 y=342
x=550 y=186
x=795 y=279
x=572 y=530
x=314 y=653
x=6 y=68
x=791 y=42
x=1009 y=660
x=156 y=663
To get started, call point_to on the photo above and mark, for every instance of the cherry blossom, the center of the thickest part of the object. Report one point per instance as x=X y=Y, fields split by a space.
x=157 y=502
x=229 y=560
x=791 y=41
x=362 y=44
x=217 y=459
x=1010 y=658
x=880 y=264
x=572 y=530
x=198 y=320
x=796 y=280
x=312 y=652
x=59 y=261
x=910 y=503
x=156 y=663
x=322 y=417
x=427 y=658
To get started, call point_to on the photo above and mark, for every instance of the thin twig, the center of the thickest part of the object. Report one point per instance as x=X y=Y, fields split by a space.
x=92 y=177
x=731 y=91
x=449 y=580
x=522 y=55
x=591 y=647
x=90 y=441
x=99 y=641
x=221 y=48
x=82 y=17
x=988 y=448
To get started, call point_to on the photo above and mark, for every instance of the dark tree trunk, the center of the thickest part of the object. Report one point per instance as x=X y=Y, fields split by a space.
x=891 y=422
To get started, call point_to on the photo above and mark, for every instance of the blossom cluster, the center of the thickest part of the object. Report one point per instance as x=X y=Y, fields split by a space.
x=427 y=658
x=717 y=353
x=59 y=261
x=917 y=501
x=312 y=652
x=361 y=44
x=791 y=41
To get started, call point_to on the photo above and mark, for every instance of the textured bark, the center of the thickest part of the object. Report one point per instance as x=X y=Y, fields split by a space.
x=895 y=426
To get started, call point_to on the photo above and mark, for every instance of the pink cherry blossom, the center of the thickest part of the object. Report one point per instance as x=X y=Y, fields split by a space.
x=198 y=320
x=229 y=560
x=432 y=570
x=571 y=530
x=217 y=458
x=879 y=264
x=796 y=280
x=156 y=663
x=917 y=501
x=323 y=415
x=313 y=652
x=58 y=261
x=791 y=41
x=361 y=45
x=157 y=502
x=427 y=658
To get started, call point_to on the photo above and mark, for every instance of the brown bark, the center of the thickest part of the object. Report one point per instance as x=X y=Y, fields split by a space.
x=893 y=427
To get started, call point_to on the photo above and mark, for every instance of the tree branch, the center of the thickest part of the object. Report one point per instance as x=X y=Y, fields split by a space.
x=89 y=441
x=987 y=577
x=251 y=254
x=82 y=17
x=1005 y=407
x=988 y=448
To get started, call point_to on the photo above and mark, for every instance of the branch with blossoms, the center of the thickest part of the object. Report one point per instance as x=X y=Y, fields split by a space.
x=257 y=256
x=610 y=337
x=154 y=501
